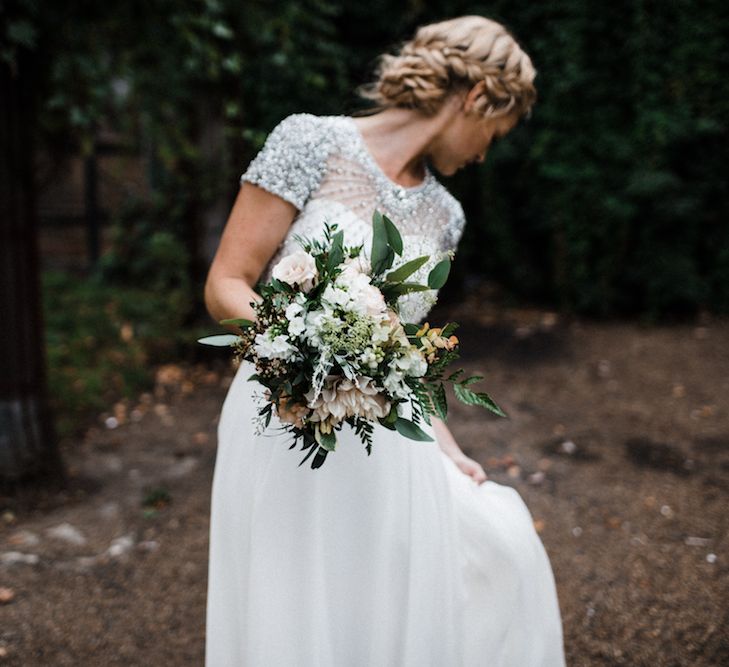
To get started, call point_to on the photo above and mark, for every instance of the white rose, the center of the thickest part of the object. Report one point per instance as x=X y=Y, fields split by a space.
x=277 y=348
x=298 y=268
x=372 y=300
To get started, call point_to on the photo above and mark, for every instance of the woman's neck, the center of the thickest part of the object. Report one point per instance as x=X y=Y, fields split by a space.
x=399 y=140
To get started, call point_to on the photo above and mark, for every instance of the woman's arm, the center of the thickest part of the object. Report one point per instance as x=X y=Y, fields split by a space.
x=255 y=228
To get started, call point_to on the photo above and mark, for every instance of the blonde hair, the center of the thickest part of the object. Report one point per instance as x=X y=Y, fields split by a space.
x=452 y=55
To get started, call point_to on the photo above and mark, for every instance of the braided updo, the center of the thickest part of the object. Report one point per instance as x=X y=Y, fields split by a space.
x=452 y=55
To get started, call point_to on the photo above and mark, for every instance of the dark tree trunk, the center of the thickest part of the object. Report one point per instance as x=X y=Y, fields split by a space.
x=28 y=447
x=215 y=213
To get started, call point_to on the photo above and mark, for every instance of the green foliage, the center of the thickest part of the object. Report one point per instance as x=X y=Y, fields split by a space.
x=610 y=200
x=406 y=270
x=146 y=251
x=100 y=340
x=438 y=276
x=411 y=430
x=470 y=397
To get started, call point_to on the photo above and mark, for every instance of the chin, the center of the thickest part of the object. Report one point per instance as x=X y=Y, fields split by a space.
x=446 y=170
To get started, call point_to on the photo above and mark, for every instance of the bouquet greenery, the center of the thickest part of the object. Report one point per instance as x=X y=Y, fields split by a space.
x=330 y=349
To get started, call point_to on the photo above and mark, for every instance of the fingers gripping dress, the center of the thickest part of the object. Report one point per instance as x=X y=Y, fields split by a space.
x=393 y=560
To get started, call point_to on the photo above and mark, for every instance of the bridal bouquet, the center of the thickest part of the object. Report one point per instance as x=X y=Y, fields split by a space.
x=330 y=349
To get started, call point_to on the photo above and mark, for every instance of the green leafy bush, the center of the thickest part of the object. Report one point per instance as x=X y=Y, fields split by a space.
x=103 y=339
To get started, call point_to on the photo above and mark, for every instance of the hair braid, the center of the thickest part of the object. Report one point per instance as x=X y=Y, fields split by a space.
x=454 y=54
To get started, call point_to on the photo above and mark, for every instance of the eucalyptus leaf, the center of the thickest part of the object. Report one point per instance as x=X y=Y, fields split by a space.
x=336 y=252
x=387 y=262
x=406 y=270
x=438 y=276
x=404 y=288
x=380 y=247
x=393 y=235
x=410 y=430
x=221 y=340
x=327 y=440
x=239 y=322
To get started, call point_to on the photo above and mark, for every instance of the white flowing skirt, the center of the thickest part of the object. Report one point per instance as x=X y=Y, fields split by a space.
x=396 y=559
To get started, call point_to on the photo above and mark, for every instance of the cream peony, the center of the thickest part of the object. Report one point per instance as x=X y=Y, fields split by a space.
x=298 y=268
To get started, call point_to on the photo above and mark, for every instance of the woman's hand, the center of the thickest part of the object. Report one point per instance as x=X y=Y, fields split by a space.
x=448 y=444
x=470 y=467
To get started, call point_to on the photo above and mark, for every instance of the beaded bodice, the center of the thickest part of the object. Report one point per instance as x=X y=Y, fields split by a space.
x=321 y=165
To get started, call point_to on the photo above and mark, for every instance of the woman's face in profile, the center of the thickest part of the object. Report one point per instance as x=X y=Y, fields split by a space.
x=467 y=139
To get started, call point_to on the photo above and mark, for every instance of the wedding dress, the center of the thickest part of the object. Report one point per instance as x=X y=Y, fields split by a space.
x=397 y=559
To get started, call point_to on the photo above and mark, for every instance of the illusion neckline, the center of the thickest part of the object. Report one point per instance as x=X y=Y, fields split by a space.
x=374 y=165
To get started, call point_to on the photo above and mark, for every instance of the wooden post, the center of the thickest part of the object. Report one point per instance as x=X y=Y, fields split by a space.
x=28 y=445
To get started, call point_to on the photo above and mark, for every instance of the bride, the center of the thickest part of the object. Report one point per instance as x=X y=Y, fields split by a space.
x=407 y=557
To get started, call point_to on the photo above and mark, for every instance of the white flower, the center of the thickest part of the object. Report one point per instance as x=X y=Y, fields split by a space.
x=351 y=280
x=368 y=357
x=359 y=264
x=314 y=321
x=394 y=384
x=293 y=310
x=277 y=348
x=334 y=296
x=412 y=363
x=297 y=325
x=352 y=290
x=341 y=398
x=372 y=301
x=381 y=332
x=298 y=268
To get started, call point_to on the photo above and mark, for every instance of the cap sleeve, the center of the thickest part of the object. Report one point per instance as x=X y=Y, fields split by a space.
x=292 y=161
x=455 y=225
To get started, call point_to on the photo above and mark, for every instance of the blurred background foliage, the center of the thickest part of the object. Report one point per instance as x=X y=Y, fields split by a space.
x=610 y=201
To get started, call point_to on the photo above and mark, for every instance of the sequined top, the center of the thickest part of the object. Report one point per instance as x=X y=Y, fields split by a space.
x=322 y=166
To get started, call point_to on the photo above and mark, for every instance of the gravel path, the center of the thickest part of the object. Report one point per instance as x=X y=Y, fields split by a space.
x=618 y=440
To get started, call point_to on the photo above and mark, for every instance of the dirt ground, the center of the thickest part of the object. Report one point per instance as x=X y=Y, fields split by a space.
x=618 y=440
